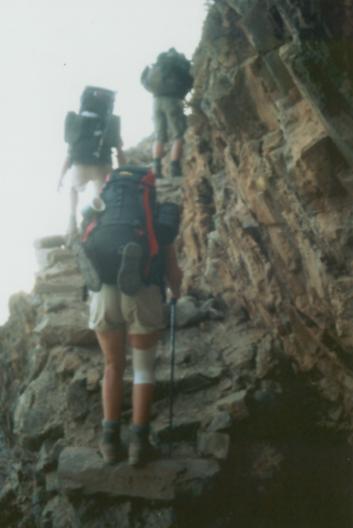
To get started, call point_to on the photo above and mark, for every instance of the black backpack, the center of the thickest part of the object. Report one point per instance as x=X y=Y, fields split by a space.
x=93 y=132
x=131 y=214
x=169 y=76
x=97 y=100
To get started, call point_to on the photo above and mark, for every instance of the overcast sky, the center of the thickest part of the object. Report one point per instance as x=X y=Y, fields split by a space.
x=49 y=50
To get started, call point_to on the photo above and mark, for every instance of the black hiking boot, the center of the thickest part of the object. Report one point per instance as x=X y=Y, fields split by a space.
x=87 y=269
x=175 y=169
x=141 y=451
x=129 y=276
x=157 y=168
x=111 y=446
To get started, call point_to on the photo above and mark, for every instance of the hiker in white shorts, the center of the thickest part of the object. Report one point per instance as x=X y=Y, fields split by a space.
x=93 y=137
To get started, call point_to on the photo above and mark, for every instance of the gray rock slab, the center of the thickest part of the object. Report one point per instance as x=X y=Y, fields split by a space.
x=49 y=242
x=235 y=404
x=38 y=410
x=47 y=257
x=191 y=312
x=261 y=29
x=214 y=444
x=189 y=379
x=220 y=421
x=187 y=312
x=67 y=285
x=82 y=469
x=242 y=6
x=65 y=328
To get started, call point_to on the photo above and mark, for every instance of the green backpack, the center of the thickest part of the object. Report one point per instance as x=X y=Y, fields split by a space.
x=169 y=76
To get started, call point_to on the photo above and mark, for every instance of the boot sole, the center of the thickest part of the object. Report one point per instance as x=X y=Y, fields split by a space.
x=129 y=276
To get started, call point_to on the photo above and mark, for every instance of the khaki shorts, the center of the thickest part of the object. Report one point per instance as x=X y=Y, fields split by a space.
x=169 y=119
x=81 y=175
x=140 y=314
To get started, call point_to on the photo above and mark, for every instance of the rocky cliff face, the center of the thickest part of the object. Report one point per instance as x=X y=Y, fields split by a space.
x=267 y=199
x=263 y=408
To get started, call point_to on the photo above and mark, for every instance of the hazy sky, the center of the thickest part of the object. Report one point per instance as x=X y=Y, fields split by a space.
x=49 y=50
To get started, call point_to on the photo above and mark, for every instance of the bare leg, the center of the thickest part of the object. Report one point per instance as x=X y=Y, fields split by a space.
x=158 y=150
x=99 y=182
x=113 y=347
x=177 y=150
x=72 y=227
x=142 y=394
x=140 y=448
x=142 y=397
x=175 y=165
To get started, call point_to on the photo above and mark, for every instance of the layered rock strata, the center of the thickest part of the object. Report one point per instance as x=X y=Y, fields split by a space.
x=267 y=199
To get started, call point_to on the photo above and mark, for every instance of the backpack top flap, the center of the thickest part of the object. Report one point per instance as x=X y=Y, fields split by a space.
x=97 y=100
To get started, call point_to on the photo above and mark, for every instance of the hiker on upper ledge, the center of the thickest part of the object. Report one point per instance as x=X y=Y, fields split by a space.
x=93 y=137
x=169 y=80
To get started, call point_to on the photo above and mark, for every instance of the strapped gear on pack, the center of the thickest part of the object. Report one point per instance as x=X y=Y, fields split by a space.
x=97 y=100
x=131 y=220
x=93 y=132
x=169 y=75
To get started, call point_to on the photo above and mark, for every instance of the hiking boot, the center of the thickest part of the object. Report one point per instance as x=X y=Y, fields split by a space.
x=141 y=451
x=111 y=447
x=129 y=276
x=157 y=168
x=175 y=168
x=87 y=269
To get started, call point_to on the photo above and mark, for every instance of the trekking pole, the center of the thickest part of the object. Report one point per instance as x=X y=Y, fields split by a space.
x=172 y=364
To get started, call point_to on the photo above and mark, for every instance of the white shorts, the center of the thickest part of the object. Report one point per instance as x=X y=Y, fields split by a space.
x=81 y=175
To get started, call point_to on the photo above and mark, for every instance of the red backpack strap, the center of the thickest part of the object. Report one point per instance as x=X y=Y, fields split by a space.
x=88 y=230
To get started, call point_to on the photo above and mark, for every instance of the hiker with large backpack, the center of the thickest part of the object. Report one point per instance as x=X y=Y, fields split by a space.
x=169 y=80
x=92 y=135
x=130 y=243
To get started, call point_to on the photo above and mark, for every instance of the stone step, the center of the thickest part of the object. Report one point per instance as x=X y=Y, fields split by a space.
x=82 y=470
x=49 y=242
